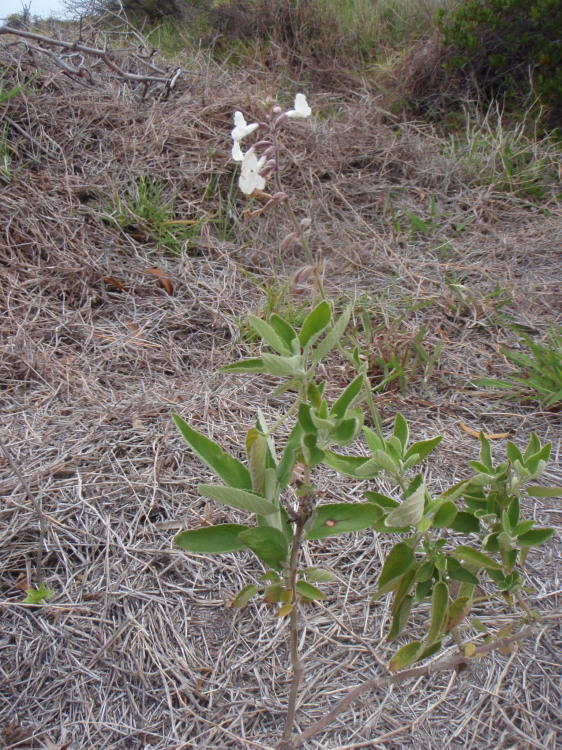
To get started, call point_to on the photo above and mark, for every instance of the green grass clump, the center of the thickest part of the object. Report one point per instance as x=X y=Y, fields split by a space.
x=539 y=373
x=146 y=214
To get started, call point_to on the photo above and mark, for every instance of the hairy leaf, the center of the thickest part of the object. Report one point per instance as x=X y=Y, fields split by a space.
x=268 y=334
x=406 y=655
x=308 y=591
x=400 y=559
x=212 y=540
x=462 y=552
x=316 y=321
x=268 y=544
x=439 y=605
x=238 y=499
x=342 y=518
x=228 y=468
x=244 y=596
x=410 y=512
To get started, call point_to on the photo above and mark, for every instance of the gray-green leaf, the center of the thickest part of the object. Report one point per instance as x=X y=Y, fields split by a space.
x=212 y=540
x=236 y=498
x=228 y=468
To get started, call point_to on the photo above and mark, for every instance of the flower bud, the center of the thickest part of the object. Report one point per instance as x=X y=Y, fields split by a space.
x=305 y=223
x=279 y=121
x=304 y=274
x=262 y=145
x=288 y=241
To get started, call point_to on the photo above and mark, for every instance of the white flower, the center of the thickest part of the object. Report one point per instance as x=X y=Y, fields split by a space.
x=250 y=178
x=237 y=153
x=241 y=128
x=301 y=107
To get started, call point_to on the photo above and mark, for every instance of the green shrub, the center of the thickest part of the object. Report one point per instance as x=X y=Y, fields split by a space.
x=512 y=48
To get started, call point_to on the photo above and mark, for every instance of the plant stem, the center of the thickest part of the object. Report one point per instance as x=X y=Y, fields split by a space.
x=302 y=517
x=454 y=662
x=296 y=665
x=525 y=607
x=295 y=222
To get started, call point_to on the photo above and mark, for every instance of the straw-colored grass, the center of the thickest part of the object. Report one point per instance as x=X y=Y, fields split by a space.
x=138 y=647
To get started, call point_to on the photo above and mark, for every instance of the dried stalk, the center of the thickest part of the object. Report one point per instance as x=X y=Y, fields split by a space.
x=39 y=511
x=454 y=662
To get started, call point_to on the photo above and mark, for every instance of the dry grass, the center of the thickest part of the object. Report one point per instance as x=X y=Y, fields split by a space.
x=138 y=648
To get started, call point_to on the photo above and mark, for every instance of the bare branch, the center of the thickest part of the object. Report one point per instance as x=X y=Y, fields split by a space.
x=166 y=80
x=443 y=665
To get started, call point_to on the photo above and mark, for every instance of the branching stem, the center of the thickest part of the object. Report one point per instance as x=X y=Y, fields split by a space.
x=296 y=666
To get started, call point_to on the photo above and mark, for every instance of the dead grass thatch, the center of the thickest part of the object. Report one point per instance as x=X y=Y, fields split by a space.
x=138 y=648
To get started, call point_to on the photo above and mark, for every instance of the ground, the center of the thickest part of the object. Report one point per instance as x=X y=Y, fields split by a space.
x=139 y=646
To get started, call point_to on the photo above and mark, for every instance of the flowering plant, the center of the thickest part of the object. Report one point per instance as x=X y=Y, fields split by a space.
x=262 y=159
x=278 y=492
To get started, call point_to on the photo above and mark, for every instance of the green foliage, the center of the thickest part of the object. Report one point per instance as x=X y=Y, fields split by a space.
x=6 y=152
x=539 y=373
x=513 y=158
x=421 y=566
x=394 y=355
x=147 y=215
x=39 y=595
x=508 y=45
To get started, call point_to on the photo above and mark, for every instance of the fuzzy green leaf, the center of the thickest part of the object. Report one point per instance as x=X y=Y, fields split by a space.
x=347 y=397
x=348 y=465
x=400 y=559
x=380 y=461
x=374 y=442
x=228 y=468
x=423 y=448
x=409 y=512
x=289 y=457
x=538 y=491
x=458 y=610
x=236 y=498
x=445 y=515
x=462 y=552
x=319 y=575
x=343 y=518
x=439 y=605
x=254 y=364
x=283 y=329
x=333 y=336
x=465 y=523
x=212 y=540
x=400 y=618
x=534 y=537
x=382 y=500
x=268 y=334
x=316 y=321
x=485 y=452
x=256 y=449
x=346 y=431
x=308 y=591
x=401 y=431
x=283 y=367
x=406 y=655
x=268 y=544
x=244 y=596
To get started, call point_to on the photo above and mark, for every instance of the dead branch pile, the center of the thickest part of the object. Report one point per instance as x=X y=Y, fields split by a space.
x=104 y=333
